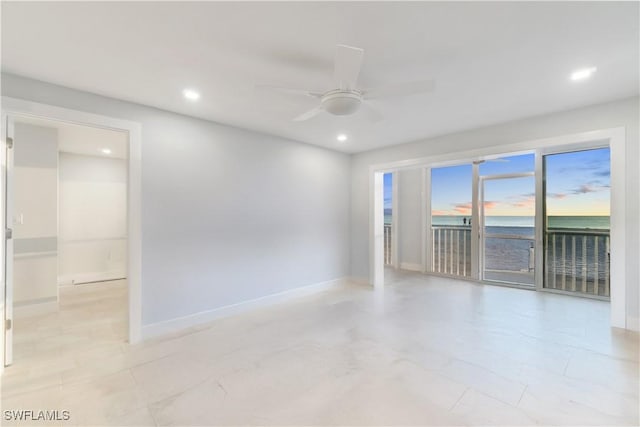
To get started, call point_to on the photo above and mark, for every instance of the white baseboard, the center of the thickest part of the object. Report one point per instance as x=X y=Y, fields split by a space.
x=177 y=324
x=633 y=323
x=410 y=266
x=34 y=308
x=76 y=279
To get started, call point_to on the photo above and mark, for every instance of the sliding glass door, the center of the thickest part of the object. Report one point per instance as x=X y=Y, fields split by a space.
x=576 y=218
x=449 y=220
x=482 y=219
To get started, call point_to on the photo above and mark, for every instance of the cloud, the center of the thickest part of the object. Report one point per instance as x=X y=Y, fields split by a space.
x=526 y=202
x=557 y=195
x=463 y=208
x=587 y=188
x=438 y=212
x=599 y=165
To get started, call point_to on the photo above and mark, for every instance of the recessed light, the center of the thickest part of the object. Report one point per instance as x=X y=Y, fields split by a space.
x=583 y=73
x=191 y=94
x=342 y=137
x=106 y=151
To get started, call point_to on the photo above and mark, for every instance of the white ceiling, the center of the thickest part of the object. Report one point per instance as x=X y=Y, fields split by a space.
x=86 y=140
x=493 y=62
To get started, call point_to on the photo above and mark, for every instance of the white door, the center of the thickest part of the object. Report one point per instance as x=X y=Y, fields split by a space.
x=7 y=200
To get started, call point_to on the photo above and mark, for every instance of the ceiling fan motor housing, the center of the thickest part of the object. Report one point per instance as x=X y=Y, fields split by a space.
x=341 y=102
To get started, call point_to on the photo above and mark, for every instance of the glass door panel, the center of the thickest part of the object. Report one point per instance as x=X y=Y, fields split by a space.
x=507 y=228
x=450 y=228
x=388 y=217
x=576 y=234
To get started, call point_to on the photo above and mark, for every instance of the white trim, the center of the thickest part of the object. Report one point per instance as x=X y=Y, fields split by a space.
x=425 y=210
x=539 y=221
x=633 y=323
x=578 y=141
x=376 y=229
x=618 y=206
x=181 y=323
x=80 y=278
x=7 y=245
x=14 y=106
x=523 y=147
x=35 y=254
x=410 y=266
x=475 y=221
x=507 y=175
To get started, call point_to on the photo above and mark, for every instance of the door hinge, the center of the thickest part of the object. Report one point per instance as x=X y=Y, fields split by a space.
x=7 y=324
x=9 y=142
x=8 y=233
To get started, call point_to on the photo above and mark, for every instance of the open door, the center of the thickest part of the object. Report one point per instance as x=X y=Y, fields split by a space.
x=7 y=236
x=507 y=228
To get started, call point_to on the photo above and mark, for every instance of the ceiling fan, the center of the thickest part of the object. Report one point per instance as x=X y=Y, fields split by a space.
x=347 y=98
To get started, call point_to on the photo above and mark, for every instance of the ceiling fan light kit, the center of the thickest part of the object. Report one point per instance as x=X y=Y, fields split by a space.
x=341 y=102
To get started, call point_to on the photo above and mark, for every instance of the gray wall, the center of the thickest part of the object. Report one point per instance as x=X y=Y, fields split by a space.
x=228 y=215
x=410 y=218
x=615 y=114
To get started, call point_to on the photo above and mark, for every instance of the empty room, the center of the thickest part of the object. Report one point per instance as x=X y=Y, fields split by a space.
x=320 y=213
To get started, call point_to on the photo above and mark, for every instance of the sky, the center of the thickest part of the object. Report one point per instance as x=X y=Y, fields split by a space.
x=388 y=189
x=578 y=184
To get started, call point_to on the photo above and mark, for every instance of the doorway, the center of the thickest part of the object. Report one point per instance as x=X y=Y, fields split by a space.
x=16 y=110
x=66 y=208
x=507 y=230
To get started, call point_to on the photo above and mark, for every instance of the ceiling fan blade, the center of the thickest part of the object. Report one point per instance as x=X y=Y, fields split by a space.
x=346 y=67
x=309 y=114
x=288 y=90
x=372 y=114
x=399 y=89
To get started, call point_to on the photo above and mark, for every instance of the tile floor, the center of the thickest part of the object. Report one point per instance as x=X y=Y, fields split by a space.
x=425 y=351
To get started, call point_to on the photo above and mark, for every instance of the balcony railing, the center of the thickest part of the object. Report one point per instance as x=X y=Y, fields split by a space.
x=451 y=250
x=578 y=260
x=387 y=244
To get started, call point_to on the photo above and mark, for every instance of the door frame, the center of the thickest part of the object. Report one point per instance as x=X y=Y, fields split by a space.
x=6 y=248
x=481 y=220
x=615 y=138
x=13 y=107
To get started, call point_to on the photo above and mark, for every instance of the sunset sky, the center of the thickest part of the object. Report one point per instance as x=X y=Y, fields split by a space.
x=578 y=184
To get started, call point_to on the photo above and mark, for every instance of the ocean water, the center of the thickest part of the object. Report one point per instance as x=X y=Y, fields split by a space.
x=580 y=222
